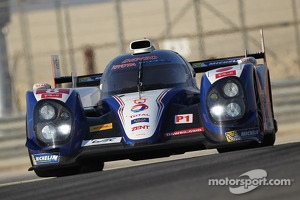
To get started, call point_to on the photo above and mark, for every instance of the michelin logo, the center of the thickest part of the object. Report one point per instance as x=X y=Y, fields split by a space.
x=39 y=159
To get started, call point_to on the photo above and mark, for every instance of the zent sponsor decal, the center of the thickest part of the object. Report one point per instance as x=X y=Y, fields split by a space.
x=45 y=158
x=101 y=127
x=184 y=132
x=184 y=119
x=136 y=128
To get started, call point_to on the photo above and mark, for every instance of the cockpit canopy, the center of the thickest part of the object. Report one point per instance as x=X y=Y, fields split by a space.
x=160 y=69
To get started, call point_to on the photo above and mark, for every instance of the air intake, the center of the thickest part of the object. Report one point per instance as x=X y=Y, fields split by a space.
x=142 y=46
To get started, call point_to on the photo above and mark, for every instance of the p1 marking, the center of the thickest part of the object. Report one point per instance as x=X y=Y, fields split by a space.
x=183 y=119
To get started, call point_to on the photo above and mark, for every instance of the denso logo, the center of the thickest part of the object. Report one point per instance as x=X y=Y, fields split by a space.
x=140 y=127
x=140 y=59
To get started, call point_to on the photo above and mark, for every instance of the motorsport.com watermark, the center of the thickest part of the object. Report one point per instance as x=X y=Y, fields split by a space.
x=256 y=177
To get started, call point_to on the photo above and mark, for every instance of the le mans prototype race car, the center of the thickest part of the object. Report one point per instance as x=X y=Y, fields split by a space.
x=147 y=104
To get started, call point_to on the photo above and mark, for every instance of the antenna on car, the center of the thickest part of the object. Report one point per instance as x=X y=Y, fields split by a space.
x=140 y=79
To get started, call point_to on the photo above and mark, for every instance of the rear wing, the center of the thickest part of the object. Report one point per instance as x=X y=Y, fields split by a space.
x=77 y=81
x=206 y=65
x=210 y=64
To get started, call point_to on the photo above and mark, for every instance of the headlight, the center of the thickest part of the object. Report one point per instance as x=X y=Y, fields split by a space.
x=225 y=100
x=233 y=110
x=47 y=112
x=64 y=130
x=217 y=111
x=231 y=89
x=49 y=133
x=53 y=123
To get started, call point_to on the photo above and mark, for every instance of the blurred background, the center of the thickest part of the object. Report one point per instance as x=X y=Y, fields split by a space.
x=87 y=34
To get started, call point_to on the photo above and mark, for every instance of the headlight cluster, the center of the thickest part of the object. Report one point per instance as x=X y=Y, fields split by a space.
x=226 y=101
x=53 y=123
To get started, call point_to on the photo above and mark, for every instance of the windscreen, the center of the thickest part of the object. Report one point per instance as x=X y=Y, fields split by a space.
x=154 y=76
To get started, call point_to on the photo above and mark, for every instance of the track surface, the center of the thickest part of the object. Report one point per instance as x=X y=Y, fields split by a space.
x=179 y=179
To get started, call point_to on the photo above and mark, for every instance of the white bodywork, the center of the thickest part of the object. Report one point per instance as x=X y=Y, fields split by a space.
x=89 y=95
x=140 y=116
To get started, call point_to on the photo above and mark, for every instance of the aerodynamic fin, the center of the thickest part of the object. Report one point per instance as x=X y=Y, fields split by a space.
x=77 y=81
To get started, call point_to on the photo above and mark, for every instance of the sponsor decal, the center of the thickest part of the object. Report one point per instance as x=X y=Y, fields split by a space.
x=232 y=136
x=184 y=132
x=89 y=78
x=101 y=141
x=217 y=74
x=101 y=127
x=136 y=128
x=53 y=93
x=45 y=158
x=221 y=62
x=224 y=74
x=139 y=107
x=38 y=86
x=223 y=69
x=121 y=66
x=132 y=62
x=183 y=119
x=139 y=120
x=129 y=60
x=140 y=115
x=140 y=101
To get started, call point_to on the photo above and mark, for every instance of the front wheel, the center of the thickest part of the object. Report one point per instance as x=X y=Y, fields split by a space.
x=269 y=140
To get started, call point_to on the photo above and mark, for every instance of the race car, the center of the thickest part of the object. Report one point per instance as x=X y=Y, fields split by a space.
x=147 y=104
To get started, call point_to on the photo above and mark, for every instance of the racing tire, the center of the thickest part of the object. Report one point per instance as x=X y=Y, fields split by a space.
x=269 y=140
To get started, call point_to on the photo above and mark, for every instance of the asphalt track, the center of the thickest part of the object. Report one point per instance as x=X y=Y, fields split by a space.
x=178 y=179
